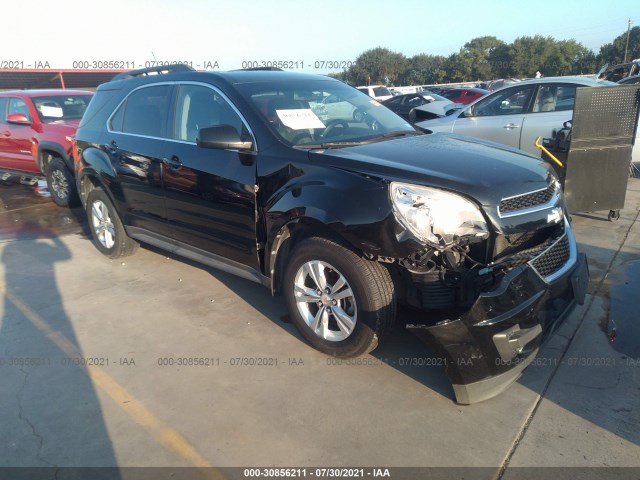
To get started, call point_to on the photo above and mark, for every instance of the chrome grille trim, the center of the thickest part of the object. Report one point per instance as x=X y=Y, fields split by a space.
x=555 y=192
x=571 y=261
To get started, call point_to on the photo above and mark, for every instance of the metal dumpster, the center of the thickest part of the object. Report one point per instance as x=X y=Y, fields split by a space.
x=596 y=165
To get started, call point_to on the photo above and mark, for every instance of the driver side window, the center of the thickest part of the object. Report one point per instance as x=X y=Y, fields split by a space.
x=508 y=102
x=17 y=105
x=198 y=107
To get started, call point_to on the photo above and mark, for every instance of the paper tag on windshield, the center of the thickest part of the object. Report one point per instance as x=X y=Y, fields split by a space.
x=51 y=111
x=299 y=119
x=375 y=103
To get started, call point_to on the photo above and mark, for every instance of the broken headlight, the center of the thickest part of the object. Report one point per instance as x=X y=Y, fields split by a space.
x=437 y=217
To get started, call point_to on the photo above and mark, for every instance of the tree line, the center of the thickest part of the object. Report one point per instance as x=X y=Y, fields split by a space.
x=487 y=58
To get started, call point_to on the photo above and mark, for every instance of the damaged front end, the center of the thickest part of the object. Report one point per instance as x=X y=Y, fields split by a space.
x=492 y=286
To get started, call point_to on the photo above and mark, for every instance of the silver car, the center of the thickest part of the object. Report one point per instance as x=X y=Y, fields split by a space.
x=518 y=114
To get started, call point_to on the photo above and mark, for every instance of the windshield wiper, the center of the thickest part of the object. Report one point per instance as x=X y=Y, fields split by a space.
x=331 y=144
x=364 y=141
x=399 y=133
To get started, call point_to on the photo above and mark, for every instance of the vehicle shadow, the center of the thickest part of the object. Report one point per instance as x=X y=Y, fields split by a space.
x=50 y=413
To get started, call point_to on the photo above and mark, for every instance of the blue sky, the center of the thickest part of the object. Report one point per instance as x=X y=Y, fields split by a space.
x=66 y=31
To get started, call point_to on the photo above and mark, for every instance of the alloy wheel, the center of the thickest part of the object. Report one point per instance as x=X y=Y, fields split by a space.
x=102 y=224
x=59 y=184
x=325 y=301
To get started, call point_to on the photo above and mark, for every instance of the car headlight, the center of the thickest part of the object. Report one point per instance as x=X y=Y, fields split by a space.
x=437 y=217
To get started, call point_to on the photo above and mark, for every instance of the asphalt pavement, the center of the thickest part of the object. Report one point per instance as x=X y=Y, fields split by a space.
x=154 y=361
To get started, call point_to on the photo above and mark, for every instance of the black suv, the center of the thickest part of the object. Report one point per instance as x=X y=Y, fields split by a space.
x=345 y=215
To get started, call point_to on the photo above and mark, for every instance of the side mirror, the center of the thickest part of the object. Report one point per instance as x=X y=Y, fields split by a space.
x=222 y=137
x=18 y=118
x=467 y=113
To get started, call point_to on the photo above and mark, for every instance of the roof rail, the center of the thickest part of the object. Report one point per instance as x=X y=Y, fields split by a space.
x=174 y=67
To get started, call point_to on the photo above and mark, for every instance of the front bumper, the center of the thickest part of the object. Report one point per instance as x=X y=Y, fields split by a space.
x=487 y=348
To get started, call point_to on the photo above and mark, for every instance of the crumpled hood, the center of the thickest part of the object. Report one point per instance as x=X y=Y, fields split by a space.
x=484 y=171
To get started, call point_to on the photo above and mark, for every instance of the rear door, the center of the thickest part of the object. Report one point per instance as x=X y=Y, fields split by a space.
x=498 y=117
x=210 y=193
x=552 y=106
x=137 y=144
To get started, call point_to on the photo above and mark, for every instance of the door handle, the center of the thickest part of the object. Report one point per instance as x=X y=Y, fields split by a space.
x=6 y=134
x=510 y=126
x=173 y=163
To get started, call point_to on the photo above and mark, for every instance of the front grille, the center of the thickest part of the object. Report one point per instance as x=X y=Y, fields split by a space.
x=553 y=258
x=517 y=242
x=528 y=200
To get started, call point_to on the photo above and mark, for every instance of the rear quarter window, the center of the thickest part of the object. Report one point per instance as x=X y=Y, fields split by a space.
x=145 y=112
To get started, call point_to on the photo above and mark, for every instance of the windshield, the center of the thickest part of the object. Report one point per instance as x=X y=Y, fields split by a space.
x=308 y=113
x=61 y=107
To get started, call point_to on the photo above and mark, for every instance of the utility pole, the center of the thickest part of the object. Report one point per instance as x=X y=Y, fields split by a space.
x=627 y=47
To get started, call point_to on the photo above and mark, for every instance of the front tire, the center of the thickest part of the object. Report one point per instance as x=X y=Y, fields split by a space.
x=107 y=232
x=343 y=304
x=61 y=184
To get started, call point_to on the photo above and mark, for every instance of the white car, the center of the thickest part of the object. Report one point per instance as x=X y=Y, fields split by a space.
x=379 y=92
x=335 y=108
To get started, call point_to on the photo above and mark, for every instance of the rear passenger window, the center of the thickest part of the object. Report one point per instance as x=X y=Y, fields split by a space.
x=145 y=112
x=554 y=98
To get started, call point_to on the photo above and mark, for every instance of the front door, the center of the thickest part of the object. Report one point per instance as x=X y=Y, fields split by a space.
x=210 y=193
x=15 y=139
x=498 y=117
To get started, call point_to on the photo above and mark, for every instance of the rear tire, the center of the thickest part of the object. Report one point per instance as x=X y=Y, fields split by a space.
x=107 y=232
x=61 y=183
x=343 y=304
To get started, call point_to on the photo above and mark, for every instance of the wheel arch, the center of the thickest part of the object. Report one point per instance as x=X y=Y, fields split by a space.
x=52 y=148
x=95 y=170
x=289 y=236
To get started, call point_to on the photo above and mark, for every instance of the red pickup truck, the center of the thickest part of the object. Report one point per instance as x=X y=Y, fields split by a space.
x=34 y=126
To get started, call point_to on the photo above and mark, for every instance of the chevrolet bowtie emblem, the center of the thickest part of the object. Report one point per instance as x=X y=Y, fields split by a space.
x=555 y=216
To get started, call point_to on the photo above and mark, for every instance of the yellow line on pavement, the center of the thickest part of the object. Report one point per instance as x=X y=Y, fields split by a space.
x=165 y=435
